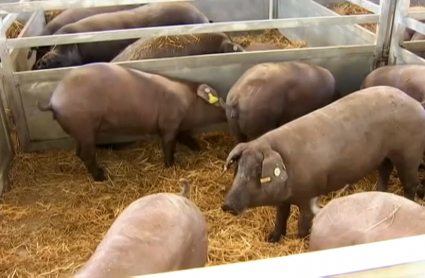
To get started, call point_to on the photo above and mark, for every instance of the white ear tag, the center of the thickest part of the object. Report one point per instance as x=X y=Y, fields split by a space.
x=276 y=171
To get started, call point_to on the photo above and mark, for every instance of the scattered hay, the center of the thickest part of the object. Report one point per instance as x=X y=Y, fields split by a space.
x=347 y=8
x=272 y=36
x=55 y=215
x=50 y=15
x=14 y=30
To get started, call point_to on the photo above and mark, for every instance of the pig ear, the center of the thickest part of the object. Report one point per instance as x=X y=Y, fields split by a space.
x=208 y=94
x=235 y=154
x=274 y=170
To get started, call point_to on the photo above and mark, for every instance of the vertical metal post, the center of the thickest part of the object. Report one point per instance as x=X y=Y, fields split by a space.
x=383 y=35
x=11 y=91
x=271 y=9
x=397 y=36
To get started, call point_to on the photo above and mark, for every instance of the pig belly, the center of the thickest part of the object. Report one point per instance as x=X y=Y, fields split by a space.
x=128 y=123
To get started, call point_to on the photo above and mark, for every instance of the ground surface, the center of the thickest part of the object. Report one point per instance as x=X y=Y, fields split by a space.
x=55 y=215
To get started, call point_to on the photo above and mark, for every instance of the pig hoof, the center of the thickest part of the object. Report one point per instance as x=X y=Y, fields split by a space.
x=100 y=175
x=273 y=238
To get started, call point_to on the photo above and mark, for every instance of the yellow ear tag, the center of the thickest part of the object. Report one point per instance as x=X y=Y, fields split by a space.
x=265 y=180
x=212 y=99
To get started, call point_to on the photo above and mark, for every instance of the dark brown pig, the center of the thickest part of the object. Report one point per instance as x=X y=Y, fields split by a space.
x=104 y=98
x=339 y=144
x=177 y=46
x=71 y=16
x=261 y=46
x=269 y=95
x=365 y=218
x=157 y=233
x=149 y=15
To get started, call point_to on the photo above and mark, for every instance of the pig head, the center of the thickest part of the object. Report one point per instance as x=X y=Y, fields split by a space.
x=260 y=178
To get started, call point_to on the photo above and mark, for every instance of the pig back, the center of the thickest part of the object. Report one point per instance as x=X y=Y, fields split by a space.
x=373 y=216
x=157 y=233
x=172 y=46
x=408 y=78
x=280 y=91
x=349 y=138
x=74 y=15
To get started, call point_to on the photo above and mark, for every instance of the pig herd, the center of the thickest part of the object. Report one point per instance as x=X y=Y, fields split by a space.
x=295 y=139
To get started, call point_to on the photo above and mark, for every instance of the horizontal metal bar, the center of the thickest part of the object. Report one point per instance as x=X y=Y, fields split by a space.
x=210 y=60
x=7 y=21
x=190 y=29
x=415 y=45
x=414 y=24
x=72 y=4
x=368 y=5
x=417 y=15
x=374 y=256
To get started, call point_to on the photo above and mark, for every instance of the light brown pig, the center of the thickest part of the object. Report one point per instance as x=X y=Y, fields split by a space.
x=107 y=99
x=339 y=144
x=157 y=233
x=365 y=218
x=407 y=78
x=269 y=95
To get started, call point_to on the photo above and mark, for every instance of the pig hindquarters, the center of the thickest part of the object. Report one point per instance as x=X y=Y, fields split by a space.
x=365 y=218
x=269 y=95
x=157 y=233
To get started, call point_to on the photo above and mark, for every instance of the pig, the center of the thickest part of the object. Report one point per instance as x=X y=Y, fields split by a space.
x=176 y=46
x=407 y=78
x=105 y=98
x=269 y=95
x=149 y=15
x=410 y=34
x=365 y=218
x=339 y=144
x=261 y=46
x=157 y=233
x=71 y=16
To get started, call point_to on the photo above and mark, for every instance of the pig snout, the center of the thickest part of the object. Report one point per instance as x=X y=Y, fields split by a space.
x=41 y=64
x=236 y=202
x=230 y=208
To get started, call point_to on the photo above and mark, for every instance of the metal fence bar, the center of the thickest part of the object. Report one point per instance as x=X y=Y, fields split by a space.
x=397 y=35
x=190 y=29
x=210 y=60
x=368 y=5
x=373 y=256
x=383 y=35
x=12 y=95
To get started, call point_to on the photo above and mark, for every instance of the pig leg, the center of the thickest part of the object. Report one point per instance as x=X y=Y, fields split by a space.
x=305 y=219
x=384 y=172
x=238 y=136
x=78 y=150
x=88 y=156
x=169 y=147
x=186 y=139
x=282 y=215
x=408 y=175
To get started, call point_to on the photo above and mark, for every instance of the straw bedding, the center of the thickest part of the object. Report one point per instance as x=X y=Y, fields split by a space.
x=55 y=215
x=347 y=8
x=14 y=30
x=272 y=36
